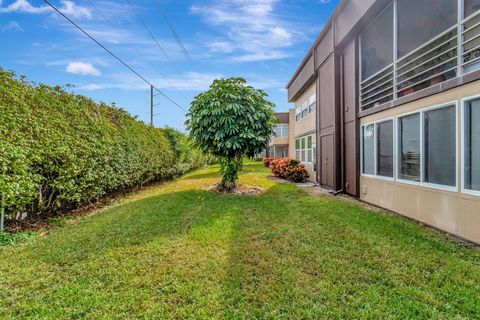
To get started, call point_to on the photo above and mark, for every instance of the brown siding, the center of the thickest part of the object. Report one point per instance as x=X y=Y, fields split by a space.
x=327 y=174
x=351 y=126
x=328 y=124
x=324 y=49
x=304 y=78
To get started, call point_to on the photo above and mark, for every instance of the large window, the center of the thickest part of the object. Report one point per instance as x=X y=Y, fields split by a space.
x=309 y=149
x=421 y=21
x=385 y=149
x=307 y=107
x=305 y=149
x=297 y=149
x=470 y=7
x=472 y=145
x=428 y=148
x=377 y=44
x=368 y=150
x=377 y=150
x=440 y=146
x=409 y=147
x=281 y=130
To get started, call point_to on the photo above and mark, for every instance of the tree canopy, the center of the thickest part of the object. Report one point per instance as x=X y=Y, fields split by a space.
x=231 y=120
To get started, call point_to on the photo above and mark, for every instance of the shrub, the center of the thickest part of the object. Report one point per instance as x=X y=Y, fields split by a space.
x=288 y=168
x=297 y=173
x=266 y=162
x=59 y=151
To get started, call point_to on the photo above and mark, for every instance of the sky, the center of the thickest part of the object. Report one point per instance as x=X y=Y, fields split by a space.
x=263 y=41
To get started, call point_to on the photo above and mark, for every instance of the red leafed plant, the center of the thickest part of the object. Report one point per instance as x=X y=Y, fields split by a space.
x=288 y=168
x=267 y=161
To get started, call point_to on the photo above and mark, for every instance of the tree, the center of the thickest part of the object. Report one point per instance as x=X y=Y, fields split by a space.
x=231 y=120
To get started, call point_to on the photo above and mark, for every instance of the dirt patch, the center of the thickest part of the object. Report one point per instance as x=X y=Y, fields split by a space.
x=241 y=190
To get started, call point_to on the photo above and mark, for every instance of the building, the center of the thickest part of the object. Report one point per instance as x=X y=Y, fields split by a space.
x=397 y=108
x=278 y=145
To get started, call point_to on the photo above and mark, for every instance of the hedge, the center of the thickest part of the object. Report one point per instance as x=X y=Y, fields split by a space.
x=59 y=150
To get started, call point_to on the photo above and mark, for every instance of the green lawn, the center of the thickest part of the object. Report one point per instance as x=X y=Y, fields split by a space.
x=176 y=251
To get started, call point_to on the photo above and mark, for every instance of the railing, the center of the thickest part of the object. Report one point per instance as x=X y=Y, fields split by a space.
x=377 y=89
x=444 y=57
x=432 y=63
x=471 y=42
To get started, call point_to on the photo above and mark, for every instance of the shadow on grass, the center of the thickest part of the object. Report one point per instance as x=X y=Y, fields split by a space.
x=139 y=222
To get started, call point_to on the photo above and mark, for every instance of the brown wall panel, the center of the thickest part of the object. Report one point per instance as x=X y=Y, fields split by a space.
x=351 y=139
x=327 y=174
x=327 y=94
x=305 y=77
x=350 y=82
x=324 y=49
x=328 y=123
x=351 y=158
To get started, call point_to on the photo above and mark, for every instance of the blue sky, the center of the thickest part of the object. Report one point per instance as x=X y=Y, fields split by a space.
x=260 y=40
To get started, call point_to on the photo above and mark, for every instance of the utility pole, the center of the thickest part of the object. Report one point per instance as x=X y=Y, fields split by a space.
x=151 y=105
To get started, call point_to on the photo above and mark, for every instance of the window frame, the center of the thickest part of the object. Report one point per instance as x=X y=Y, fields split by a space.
x=375 y=144
x=463 y=142
x=422 y=182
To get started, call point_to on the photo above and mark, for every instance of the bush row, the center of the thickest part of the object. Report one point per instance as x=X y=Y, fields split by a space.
x=59 y=151
x=287 y=168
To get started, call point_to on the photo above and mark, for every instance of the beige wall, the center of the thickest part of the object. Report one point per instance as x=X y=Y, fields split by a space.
x=291 y=133
x=278 y=141
x=307 y=124
x=452 y=211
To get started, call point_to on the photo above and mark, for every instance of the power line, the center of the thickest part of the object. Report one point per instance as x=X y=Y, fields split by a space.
x=150 y=33
x=113 y=54
x=132 y=45
x=178 y=39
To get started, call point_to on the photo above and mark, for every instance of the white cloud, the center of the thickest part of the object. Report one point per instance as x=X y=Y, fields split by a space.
x=83 y=68
x=75 y=11
x=220 y=46
x=252 y=28
x=25 y=7
x=261 y=56
x=68 y=7
x=190 y=81
x=12 y=25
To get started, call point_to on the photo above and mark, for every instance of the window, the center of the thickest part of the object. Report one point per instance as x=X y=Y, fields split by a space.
x=472 y=145
x=368 y=150
x=427 y=148
x=409 y=147
x=436 y=16
x=385 y=149
x=440 y=146
x=281 y=130
x=309 y=149
x=470 y=7
x=297 y=149
x=303 y=150
x=377 y=44
x=377 y=149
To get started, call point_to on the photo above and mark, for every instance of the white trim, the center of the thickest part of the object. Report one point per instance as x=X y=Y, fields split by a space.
x=375 y=142
x=422 y=183
x=464 y=102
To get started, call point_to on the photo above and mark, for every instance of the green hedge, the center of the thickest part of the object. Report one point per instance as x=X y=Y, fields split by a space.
x=59 y=151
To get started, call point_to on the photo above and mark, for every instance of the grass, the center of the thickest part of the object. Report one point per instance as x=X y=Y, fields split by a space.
x=177 y=252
